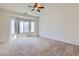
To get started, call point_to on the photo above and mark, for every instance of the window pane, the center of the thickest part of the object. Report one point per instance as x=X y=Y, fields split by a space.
x=12 y=26
x=21 y=26
x=32 y=26
x=26 y=26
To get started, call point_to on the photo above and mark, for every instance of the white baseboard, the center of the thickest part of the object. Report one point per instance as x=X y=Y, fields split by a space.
x=67 y=42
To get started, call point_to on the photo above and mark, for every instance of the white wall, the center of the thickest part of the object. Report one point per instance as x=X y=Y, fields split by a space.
x=60 y=22
x=5 y=16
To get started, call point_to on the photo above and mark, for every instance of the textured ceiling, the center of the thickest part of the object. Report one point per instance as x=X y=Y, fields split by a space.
x=20 y=7
x=23 y=7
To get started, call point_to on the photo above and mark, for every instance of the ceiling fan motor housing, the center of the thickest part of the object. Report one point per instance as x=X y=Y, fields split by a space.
x=37 y=7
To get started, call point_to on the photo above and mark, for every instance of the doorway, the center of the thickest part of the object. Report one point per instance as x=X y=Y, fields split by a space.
x=24 y=27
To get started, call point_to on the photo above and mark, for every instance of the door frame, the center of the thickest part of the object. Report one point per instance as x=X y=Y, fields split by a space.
x=36 y=34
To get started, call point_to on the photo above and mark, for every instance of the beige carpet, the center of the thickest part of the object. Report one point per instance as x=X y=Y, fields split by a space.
x=36 y=46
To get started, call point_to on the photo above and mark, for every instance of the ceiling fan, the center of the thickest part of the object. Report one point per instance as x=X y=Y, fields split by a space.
x=37 y=7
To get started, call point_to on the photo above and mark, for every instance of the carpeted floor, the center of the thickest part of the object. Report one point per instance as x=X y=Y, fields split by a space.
x=37 y=46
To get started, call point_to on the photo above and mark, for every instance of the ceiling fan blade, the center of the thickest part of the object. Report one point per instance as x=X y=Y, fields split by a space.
x=41 y=7
x=33 y=9
x=38 y=10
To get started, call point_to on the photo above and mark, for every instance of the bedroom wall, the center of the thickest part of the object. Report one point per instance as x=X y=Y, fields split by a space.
x=60 y=22
x=5 y=16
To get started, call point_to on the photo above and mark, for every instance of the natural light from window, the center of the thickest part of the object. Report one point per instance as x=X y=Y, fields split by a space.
x=12 y=26
x=32 y=26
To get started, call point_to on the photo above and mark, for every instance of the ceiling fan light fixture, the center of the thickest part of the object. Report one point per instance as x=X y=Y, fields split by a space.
x=37 y=7
x=40 y=5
